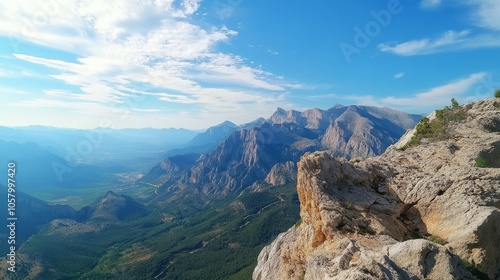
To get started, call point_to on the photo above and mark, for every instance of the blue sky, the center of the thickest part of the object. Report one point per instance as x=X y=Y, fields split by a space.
x=196 y=63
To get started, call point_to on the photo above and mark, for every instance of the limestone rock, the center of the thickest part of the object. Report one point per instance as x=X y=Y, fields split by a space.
x=244 y=159
x=282 y=173
x=354 y=211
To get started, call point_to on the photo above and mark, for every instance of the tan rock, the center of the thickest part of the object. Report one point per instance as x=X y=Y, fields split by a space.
x=353 y=212
x=281 y=174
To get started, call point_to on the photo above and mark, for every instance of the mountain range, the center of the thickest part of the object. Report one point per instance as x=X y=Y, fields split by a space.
x=205 y=210
x=242 y=157
x=427 y=208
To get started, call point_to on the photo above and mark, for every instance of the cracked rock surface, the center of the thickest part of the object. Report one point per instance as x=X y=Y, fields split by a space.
x=383 y=217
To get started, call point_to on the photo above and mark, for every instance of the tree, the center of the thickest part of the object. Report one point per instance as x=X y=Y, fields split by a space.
x=497 y=93
x=454 y=103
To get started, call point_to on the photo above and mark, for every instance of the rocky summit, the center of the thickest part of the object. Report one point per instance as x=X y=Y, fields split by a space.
x=428 y=208
x=267 y=150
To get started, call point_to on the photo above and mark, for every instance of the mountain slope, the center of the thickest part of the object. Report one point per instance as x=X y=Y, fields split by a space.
x=205 y=221
x=129 y=148
x=357 y=133
x=218 y=243
x=207 y=141
x=247 y=155
x=32 y=214
x=426 y=210
x=116 y=207
x=170 y=169
x=38 y=167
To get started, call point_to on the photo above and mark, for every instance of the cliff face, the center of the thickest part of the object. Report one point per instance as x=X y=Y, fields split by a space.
x=281 y=174
x=377 y=218
x=246 y=157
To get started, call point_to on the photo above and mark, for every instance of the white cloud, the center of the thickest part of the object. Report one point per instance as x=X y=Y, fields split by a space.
x=272 y=52
x=450 y=39
x=190 y=6
x=437 y=96
x=152 y=43
x=462 y=90
x=399 y=75
x=484 y=14
x=487 y=13
x=429 y=4
x=13 y=91
x=5 y=73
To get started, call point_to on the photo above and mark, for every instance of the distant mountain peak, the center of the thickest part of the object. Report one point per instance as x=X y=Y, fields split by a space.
x=257 y=122
x=424 y=179
x=113 y=206
x=226 y=123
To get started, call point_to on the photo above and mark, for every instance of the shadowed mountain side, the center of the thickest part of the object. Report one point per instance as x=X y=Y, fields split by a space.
x=32 y=214
x=246 y=156
x=116 y=207
x=38 y=167
x=207 y=141
x=170 y=169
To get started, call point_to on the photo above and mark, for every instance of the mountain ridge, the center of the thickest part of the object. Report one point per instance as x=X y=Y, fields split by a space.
x=247 y=155
x=426 y=209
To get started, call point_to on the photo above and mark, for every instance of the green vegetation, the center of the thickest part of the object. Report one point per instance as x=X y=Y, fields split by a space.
x=220 y=242
x=481 y=162
x=366 y=229
x=348 y=205
x=436 y=239
x=475 y=270
x=298 y=223
x=440 y=127
x=497 y=93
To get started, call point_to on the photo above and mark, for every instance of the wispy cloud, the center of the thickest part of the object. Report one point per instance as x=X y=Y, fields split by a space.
x=4 y=73
x=486 y=13
x=272 y=52
x=438 y=95
x=399 y=75
x=449 y=40
x=119 y=45
x=430 y=4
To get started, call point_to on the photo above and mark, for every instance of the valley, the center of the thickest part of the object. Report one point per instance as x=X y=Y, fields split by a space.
x=192 y=214
x=238 y=140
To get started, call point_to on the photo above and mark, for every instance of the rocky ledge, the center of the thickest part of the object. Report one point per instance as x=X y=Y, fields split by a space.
x=422 y=211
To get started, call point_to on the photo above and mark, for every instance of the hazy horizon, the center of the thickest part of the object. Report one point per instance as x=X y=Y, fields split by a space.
x=181 y=128
x=196 y=63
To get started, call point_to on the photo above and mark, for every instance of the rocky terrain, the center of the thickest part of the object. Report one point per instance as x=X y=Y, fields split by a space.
x=428 y=208
x=266 y=151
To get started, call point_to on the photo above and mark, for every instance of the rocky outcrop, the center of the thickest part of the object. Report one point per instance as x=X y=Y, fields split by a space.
x=246 y=157
x=282 y=116
x=357 y=133
x=170 y=169
x=383 y=217
x=281 y=174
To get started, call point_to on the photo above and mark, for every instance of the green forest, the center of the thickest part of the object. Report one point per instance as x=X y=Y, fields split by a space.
x=221 y=242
